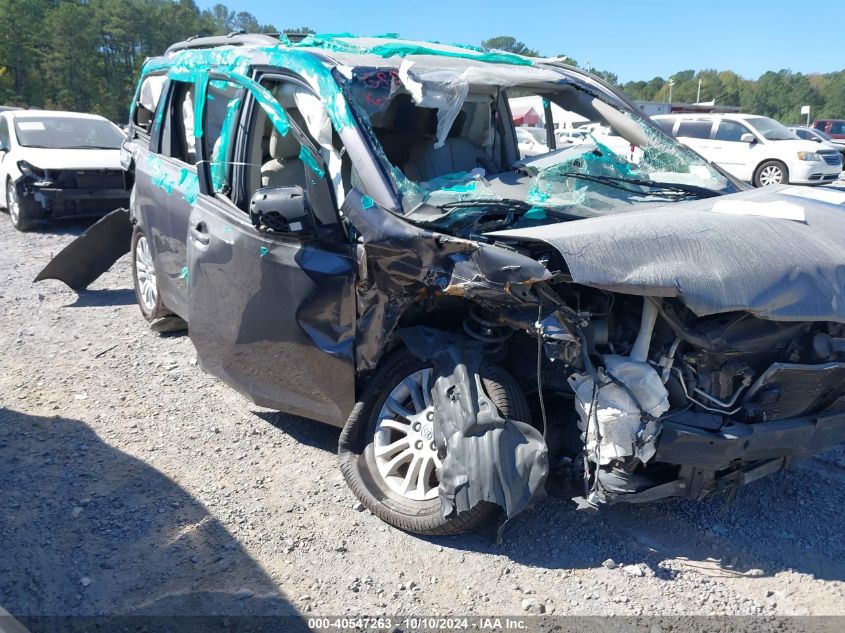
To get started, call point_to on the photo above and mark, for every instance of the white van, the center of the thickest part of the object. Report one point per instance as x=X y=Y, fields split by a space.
x=755 y=149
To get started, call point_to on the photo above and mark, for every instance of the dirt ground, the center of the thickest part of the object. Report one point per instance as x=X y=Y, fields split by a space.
x=133 y=483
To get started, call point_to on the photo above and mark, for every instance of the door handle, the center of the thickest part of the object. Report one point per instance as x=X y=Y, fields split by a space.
x=199 y=233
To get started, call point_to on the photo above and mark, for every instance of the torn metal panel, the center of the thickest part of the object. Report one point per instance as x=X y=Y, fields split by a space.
x=713 y=262
x=92 y=253
x=401 y=264
x=487 y=457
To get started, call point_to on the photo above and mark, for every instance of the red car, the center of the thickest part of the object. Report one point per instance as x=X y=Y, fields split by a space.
x=834 y=127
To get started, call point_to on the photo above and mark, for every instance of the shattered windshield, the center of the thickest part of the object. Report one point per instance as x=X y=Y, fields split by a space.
x=68 y=133
x=455 y=142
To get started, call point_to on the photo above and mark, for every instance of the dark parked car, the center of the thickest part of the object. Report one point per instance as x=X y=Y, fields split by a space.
x=348 y=230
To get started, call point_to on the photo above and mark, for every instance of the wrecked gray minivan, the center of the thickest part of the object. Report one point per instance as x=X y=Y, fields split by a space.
x=350 y=232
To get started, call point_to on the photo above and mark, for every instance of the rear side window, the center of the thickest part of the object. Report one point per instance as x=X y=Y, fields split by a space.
x=177 y=137
x=148 y=97
x=666 y=125
x=222 y=110
x=694 y=129
x=730 y=131
x=5 y=139
x=837 y=127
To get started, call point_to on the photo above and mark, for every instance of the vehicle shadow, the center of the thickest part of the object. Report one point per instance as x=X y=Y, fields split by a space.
x=792 y=520
x=91 y=531
x=73 y=227
x=102 y=298
x=303 y=430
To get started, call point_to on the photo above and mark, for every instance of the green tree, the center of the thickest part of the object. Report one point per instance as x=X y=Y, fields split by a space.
x=71 y=67
x=22 y=27
x=510 y=45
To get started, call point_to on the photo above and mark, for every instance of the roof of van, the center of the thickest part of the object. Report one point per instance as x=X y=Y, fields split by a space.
x=348 y=51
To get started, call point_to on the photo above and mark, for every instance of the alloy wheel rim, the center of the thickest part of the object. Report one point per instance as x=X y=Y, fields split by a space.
x=771 y=175
x=405 y=453
x=13 y=204
x=145 y=272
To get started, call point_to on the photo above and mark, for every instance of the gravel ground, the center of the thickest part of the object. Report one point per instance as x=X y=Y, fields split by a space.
x=134 y=483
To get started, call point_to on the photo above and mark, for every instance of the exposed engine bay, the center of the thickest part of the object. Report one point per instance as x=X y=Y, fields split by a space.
x=639 y=395
x=619 y=378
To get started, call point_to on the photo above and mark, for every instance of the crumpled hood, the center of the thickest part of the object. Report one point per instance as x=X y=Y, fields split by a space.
x=731 y=253
x=70 y=158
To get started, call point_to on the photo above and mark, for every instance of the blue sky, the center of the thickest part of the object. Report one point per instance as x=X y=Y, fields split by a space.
x=636 y=40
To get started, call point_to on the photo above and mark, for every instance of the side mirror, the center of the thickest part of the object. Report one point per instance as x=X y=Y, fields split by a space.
x=281 y=210
x=748 y=138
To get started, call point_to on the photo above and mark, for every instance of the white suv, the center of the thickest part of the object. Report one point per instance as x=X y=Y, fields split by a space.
x=755 y=149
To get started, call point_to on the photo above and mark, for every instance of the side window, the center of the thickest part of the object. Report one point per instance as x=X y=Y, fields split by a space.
x=837 y=127
x=149 y=95
x=730 y=131
x=694 y=129
x=222 y=109
x=177 y=137
x=666 y=125
x=309 y=155
x=5 y=140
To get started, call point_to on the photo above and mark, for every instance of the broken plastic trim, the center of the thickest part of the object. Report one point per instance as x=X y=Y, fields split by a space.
x=92 y=253
x=487 y=457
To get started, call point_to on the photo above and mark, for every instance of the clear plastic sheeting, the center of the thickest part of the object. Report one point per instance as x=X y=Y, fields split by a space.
x=443 y=90
x=620 y=416
x=150 y=91
x=445 y=87
x=320 y=128
x=445 y=189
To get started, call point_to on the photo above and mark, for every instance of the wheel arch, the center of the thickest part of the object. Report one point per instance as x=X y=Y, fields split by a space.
x=769 y=160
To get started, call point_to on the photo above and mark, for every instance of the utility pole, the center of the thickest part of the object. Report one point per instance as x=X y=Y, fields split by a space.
x=698 y=95
x=671 y=83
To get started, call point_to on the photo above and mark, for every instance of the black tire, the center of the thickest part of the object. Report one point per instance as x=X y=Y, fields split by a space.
x=357 y=461
x=20 y=220
x=771 y=166
x=156 y=309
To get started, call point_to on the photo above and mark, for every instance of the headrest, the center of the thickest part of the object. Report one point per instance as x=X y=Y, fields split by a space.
x=283 y=147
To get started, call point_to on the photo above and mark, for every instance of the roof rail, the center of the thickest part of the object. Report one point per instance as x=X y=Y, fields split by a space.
x=232 y=39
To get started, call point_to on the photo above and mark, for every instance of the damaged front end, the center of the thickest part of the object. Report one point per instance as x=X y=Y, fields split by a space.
x=645 y=387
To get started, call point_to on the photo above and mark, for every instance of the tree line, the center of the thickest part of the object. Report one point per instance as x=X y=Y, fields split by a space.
x=777 y=94
x=85 y=55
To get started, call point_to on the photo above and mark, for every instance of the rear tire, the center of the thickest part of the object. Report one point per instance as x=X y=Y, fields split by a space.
x=145 y=278
x=17 y=210
x=369 y=475
x=772 y=172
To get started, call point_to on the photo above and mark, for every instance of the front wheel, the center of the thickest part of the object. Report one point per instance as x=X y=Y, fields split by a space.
x=388 y=454
x=772 y=172
x=17 y=211
x=144 y=276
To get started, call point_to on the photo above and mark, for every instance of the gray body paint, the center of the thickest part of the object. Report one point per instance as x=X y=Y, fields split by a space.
x=713 y=262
